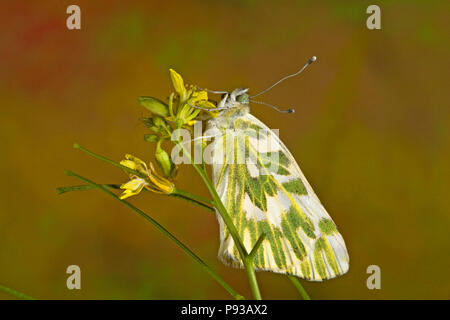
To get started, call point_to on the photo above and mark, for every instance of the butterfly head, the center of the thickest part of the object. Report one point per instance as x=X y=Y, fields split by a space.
x=239 y=97
x=229 y=100
x=243 y=98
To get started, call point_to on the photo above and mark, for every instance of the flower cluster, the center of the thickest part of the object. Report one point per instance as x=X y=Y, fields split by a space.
x=185 y=106
x=148 y=178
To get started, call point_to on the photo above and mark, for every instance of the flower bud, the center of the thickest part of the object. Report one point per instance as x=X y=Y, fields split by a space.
x=159 y=122
x=154 y=105
x=150 y=124
x=164 y=161
x=178 y=84
x=151 y=137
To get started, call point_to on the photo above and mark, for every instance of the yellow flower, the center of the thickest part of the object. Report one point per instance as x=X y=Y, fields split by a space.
x=149 y=180
x=187 y=113
x=178 y=84
x=198 y=96
x=134 y=163
x=132 y=187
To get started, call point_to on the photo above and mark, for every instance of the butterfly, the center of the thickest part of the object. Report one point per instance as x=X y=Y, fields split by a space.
x=265 y=192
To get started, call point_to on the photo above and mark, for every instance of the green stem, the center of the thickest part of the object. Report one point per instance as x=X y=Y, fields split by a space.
x=116 y=164
x=200 y=204
x=177 y=193
x=203 y=202
x=195 y=197
x=196 y=200
x=299 y=287
x=257 y=245
x=248 y=263
x=249 y=268
x=213 y=274
x=61 y=190
x=246 y=259
x=15 y=293
x=171 y=105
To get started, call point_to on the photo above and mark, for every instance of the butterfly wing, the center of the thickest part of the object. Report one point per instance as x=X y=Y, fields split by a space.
x=267 y=193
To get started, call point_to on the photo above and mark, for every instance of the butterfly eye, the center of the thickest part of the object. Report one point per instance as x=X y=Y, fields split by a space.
x=243 y=98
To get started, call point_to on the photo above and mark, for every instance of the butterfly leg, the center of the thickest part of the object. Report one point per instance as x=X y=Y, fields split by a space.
x=206 y=109
x=212 y=91
x=221 y=104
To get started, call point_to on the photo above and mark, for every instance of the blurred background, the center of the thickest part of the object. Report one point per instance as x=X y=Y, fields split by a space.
x=370 y=133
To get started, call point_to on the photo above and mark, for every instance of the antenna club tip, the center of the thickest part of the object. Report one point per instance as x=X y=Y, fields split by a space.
x=312 y=59
x=291 y=111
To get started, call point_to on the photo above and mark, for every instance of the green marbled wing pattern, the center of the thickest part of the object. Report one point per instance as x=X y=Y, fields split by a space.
x=269 y=194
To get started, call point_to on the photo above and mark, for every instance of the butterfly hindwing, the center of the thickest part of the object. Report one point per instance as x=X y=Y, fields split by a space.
x=265 y=192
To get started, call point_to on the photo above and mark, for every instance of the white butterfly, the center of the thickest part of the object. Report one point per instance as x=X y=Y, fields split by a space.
x=270 y=195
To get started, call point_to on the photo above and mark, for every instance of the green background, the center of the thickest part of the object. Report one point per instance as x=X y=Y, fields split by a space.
x=370 y=133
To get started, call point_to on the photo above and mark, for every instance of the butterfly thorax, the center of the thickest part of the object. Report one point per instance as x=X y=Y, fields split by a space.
x=232 y=106
x=225 y=119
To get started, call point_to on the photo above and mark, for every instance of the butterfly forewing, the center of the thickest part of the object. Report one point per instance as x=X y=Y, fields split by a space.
x=265 y=192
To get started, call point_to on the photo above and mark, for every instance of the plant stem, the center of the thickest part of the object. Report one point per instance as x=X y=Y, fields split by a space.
x=213 y=274
x=177 y=193
x=15 y=293
x=299 y=287
x=116 y=164
x=61 y=190
x=191 y=196
x=249 y=268
x=248 y=263
x=247 y=260
x=200 y=204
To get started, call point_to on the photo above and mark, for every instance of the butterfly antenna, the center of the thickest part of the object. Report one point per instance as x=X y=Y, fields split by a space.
x=273 y=107
x=311 y=60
